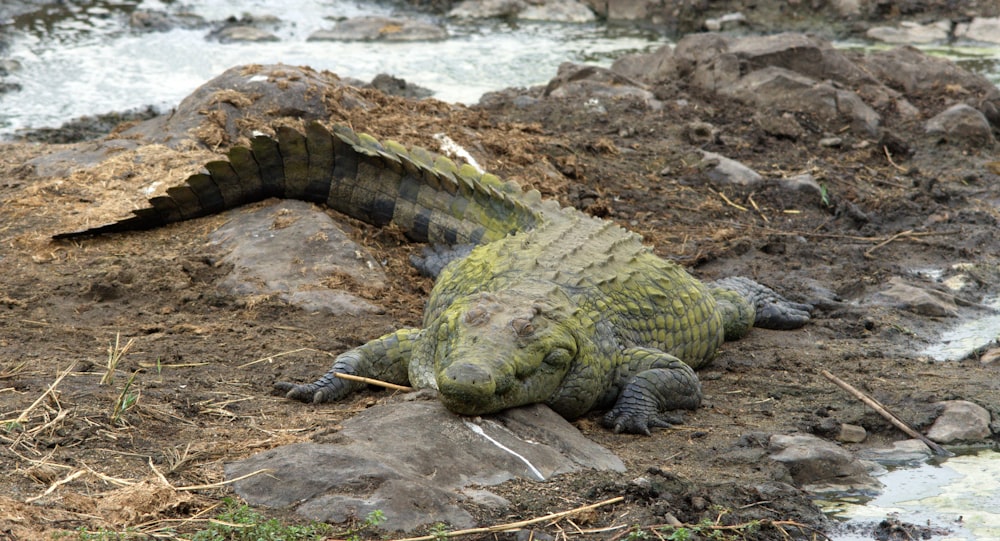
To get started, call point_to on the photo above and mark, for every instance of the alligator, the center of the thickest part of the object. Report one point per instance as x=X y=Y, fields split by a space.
x=536 y=303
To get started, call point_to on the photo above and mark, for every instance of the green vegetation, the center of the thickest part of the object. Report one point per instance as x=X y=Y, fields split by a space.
x=127 y=399
x=240 y=523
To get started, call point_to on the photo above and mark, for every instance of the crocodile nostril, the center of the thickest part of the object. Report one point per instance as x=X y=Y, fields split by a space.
x=469 y=374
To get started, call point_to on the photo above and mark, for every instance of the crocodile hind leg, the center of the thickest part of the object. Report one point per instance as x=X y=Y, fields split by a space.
x=385 y=359
x=744 y=303
x=435 y=258
x=655 y=383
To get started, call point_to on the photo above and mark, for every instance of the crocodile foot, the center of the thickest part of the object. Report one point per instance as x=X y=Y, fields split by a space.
x=773 y=311
x=632 y=422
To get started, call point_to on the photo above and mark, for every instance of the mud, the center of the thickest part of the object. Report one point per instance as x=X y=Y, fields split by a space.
x=196 y=378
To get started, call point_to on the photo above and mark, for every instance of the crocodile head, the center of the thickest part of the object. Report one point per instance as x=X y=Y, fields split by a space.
x=501 y=350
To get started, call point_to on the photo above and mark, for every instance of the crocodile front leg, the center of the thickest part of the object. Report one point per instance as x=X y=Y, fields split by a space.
x=656 y=383
x=385 y=359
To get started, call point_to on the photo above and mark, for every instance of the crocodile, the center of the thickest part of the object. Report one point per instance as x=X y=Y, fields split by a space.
x=546 y=305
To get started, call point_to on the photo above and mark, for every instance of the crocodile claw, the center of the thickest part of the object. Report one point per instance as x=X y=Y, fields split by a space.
x=308 y=393
x=638 y=423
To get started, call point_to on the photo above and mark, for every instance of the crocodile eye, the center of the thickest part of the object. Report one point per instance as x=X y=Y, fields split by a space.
x=522 y=326
x=477 y=316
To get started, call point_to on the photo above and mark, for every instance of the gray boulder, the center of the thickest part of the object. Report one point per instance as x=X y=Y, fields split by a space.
x=586 y=81
x=961 y=124
x=298 y=253
x=916 y=299
x=780 y=89
x=651 y=67
x=417 y=463
x=569 y=11
x=380 y=29
x=960 y=421
x=725 y=171
x=985 y=29
x=214 y=113
x=902 y=453
x=908 y=32
x=818 y=465
x=917 y=74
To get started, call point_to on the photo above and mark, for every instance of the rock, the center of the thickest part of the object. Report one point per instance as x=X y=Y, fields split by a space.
x=783 y=125
x=248 y=28
x=623 y=10
x=779 y=89
x=846 y=8
x=852 y=433
x=906 y=452
x=699 y=133
x=831 y=142
x=582 y=81
x=961 y=124
x=783 y=73
x=961 y=421
x=919 y=300
x=911 y=32
x=804 y=183
x=240 y=33
x=649 y=68
x=818 y=465
x=566 y=11
x=214 y=113
x=145 y=20
x=380 y=29
x=990 y=356
x=416 y=462
x=728 y=21
x=920 y=75
x=723 y=170
x=293 y=250
x=980 y=29
x=395 y=86
x=483 y=9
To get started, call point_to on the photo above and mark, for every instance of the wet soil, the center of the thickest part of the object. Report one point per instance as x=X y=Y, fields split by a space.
x=145 y=448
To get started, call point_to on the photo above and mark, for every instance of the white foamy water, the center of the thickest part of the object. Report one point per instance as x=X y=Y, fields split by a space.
x=86 y=60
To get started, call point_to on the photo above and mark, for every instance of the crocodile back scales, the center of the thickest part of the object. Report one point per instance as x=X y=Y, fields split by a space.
x=427 y=196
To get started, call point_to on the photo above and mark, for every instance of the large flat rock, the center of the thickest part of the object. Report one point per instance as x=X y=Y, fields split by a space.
x=417 y=463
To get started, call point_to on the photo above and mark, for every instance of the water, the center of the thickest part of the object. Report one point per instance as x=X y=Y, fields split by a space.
x=83 y=59
x=960 y=495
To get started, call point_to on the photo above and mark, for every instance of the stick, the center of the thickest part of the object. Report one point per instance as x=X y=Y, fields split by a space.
x=889 y=416
x=514 y=525
x=371 y=381
x=868 y=253
x=21 y=419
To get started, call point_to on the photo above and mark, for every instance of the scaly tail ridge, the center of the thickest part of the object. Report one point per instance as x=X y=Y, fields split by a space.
x=428 y=196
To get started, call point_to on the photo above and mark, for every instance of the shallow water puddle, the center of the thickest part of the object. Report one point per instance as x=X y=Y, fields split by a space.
x=959 y=341
x=960 y=496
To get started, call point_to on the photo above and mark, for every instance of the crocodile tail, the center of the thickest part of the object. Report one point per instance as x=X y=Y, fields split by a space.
x=429 y=197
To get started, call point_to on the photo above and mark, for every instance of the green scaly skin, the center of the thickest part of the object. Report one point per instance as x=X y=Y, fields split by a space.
x=552 y=306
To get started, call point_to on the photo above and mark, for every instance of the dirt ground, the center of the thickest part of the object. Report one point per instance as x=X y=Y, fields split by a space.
x=193 y=389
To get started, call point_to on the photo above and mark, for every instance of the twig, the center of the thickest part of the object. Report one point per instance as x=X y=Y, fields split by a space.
x=729 y=202
x=514 y=525
x=897 y=236
x=224 y=483
x=757 y=208
x=371 y=381
x=25 y=414
x=56 y=485
x=888 y=156
x=884 y=412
